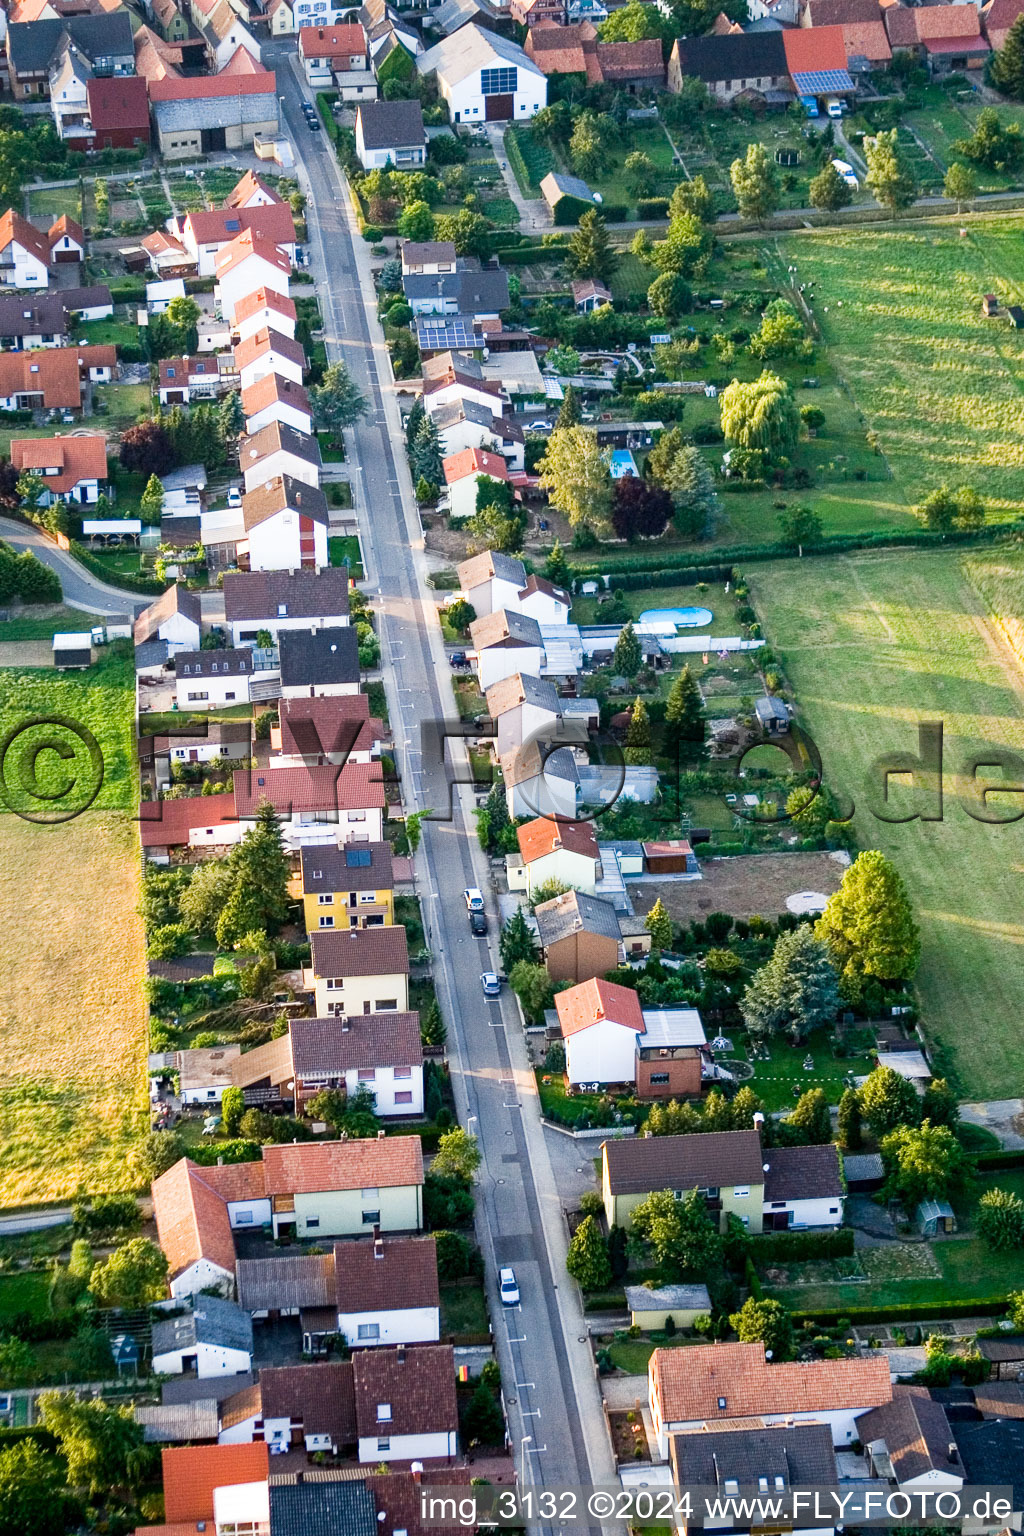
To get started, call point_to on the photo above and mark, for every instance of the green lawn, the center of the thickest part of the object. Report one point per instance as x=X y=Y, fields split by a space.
x=347 y=545
x=33 y=628
x=874 y=644
x=24 y=1293
x=463 y=1307
x=100 y=699
x=781 y=1079
x=114 y=331
x=123 y=404
x=633 y=1355
x=942 y=385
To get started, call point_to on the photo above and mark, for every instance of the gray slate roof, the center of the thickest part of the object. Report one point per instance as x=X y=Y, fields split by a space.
x=324 y=656
x=803 y=1173
x=322 y=1509
x=31 y=45
x=573 y=911
x=186 y=1389
x=300 y=1280
x=391 y=124
x=475 y=292
x=671 y=1297
x=798 y=1453
x=211 y=1320
x=179 y=1423
x=306 y=594
x=472 y=48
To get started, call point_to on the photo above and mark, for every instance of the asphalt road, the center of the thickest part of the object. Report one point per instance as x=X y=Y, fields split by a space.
x=553 y=1400
x=81 y=589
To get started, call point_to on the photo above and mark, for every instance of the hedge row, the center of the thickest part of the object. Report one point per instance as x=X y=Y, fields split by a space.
x=978 y=1306
x=652 y=208
x=145 y=586
x=688 y=576
x=794 y=1247
x=238 y=1151
x=515 y=154
x=1004 y=1158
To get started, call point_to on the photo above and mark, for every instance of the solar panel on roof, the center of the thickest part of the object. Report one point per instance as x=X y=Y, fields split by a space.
x=819 y=82
x=357 y=858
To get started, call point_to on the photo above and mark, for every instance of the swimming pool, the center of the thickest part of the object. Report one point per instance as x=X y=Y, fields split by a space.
x=687 y=618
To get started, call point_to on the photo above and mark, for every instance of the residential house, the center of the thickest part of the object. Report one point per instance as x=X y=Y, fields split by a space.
x=558 y=49
x=175 y=617
x=66 y=240
x=279 y=449
x=588 y=294
x=318 y=664
x=225 y=742
x=36 y=321
x=947 y=37
x=213 y=679
x=329 y=730
x=317 y=13
x=452 y=376
x=264 y=309
x=317 y=805
x=348 y=887
x=251 y=191
x=406 y=1408
x=785 y=12
x=183 y=491
x=463 y=474
x=275 y=601
x=382 y=1291
x=203 y=823
x=359 y=970
x=180 y=380
x=118 y=110
x=52 y=379
x=302 y=1189
x=204 y=232
x=246 y=265
x=169 y=21
x=428 y=258
x=693 y=1389
x=778 y=1459
x=469 y=290
x=167 y=256
x=505 y=642
x=204 y=1073
x=305 y=1407
x=659 y=1052
x=650 y=1306
x=211 y=1337
x=275 y=398
x=338 y=53
x=629 y=66
x=221 y=533
x=390 y=132
x=160 y=295
x=24 y=253
x=484 y=77
x=864 y=35
x=997 y=17
x=491 y=581
x=993 y=1456
x=102 y=45
x=464 y=424
x=562 y=851
x=530 y=13
x=541 y=782
x=765 y=1188
x=817 y=61
x=196 y=114
x=731 y=65
x=268 y=352
x=201 y=1483
x=908 y=1441
x=378 y=1052
x=71 y=468
x=280 y=15
x=225 y=33
x=579 y=936
x=525 y=708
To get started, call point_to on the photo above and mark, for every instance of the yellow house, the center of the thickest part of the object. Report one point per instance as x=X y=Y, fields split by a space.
x=726 y=1166
x=343 y=1188
x=359 y=970
x=651 y=1306
x=282 y=18
x=347 y=887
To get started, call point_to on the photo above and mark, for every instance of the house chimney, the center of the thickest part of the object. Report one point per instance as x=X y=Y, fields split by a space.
x=417 y=1472
x=758 y=1120
x=345 y=1025
x=401 y=1354
x=378 y=1244
x=380 y=1135
x=954 y=1451
x=300 y=1477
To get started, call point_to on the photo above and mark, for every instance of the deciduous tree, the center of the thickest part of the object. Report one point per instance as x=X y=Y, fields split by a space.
x=34 y=1498
x=587 y=1260
x=810 y=1121
x=829 y=191
x=679 y=1234
x=889 y=176
x=134 y=1275
x=869 y=927
x=1000 y=1220
x=640 y=509
x=766 y=1321
x=923 y=1162
x=755 y=184
x=458 y=1153
x=760 y=415
x=574 y=473
x=102 y=1445
x=960 y=184
x=888 y=1100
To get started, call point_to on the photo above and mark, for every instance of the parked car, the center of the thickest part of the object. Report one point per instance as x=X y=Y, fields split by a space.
x=457 y=659
x=834 y=107
x=508 y=1286
x=491 y=984
x=234 y=497
x=474 y=899
x=478 y=924
x=539 y=426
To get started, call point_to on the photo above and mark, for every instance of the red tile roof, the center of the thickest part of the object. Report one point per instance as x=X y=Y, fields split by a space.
x=192 y=1219
x=417 y=1383
x=340 y=723
x=119 y=101
x=14 y=227
x=344 y=40
x=591 y=1001
x=691 y=1383
x=167 y=823
x=79 y=458
x=386 y=1274
x=946 y=21
x=267 y=221
x=809 y=49
x=245 y=245
x=264 y=298
x=239 y=77
x=474 y=461
x=247 y=186
x=355 y=787
x=273 y=388
x=265 y=340
x=54 y=371
x=305 y=1168
x=66 y=225
x=546 y=835
x=192 y=1472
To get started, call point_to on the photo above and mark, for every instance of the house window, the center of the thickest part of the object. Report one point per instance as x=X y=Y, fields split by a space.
x=357 y=815
x=403 y=1098
x=778 y=1205
x=367 y=898
x=732 y=1485
x=327 y=921
x=367 y=1074
x=371 y=1218
x=374 y=920
x=311 y=1222
x=780 y=1483
x=369 y=1331
x=833 y=1210
x=659 y=1078
x=383 y=1413
x=243 y=1219
x=197 y=698
x=383 y=1444
x=403 y=1071
x=335 y=983
x=741 y=1192
x=325 y=901
x=499 y=82
x=762 y=1485
x=721 y=1404
x=387 y=1004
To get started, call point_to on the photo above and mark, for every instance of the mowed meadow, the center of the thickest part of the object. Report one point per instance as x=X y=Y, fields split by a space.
x=872 y=645
x=72 y=960
x=900 y=310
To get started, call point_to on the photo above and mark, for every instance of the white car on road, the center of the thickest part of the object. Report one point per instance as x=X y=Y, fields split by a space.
x=508 y=1286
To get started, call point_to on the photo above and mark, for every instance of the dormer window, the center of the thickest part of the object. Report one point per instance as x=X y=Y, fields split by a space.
x=282 y=610
x=780 y=1483
x=762 y=1485
x=732 y=1485
x=721 y=1404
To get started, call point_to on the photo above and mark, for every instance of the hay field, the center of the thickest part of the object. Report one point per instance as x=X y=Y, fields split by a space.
x=72 y=1012
x=874 y=644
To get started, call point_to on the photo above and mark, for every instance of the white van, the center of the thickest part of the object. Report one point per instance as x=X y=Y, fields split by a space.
x=834 y=107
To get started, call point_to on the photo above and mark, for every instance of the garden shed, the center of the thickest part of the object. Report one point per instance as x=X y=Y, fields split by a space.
x=772 y=715
x=935 y=1217
x=1016 y=314
x=650 y=1307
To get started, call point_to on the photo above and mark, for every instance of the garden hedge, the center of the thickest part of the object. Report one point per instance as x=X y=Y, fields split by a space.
x=793 y=1247
x=652 y=208
x=1004 y=1158
x=145 y=586
x=977 y=1306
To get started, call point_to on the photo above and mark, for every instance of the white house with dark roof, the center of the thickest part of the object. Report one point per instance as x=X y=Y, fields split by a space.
x=504 y=643
x=211 y=1337
x=491 y=581
x=286 y=524
x=304 y=599
x=463 y=423
x=541 y=785
x=317 y=664
x=390 y=132
x=484 y=77
x=175 y=618
x=212 y=679
x=279 y=449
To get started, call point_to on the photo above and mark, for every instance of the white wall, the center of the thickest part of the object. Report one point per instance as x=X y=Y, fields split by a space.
x=498 y=661
x=318 y=690
x=468 y=104
x=245 y=278
x=410 y=1325
x=180 y=632
x=28 y=271
x=222 y=836
x=274 y=545
x=243 y=631
x=570 y=868
x=524 y=723
x=279 y=410
x=604 y=1053
x=408 y=1447
x=198 y=1276
x=385 y=1085
x=448 y=393
x=249 y=1213
x=269 y=362
x=218 y=690
x=211 y=1360
x=281 y=463
x=541 y=796
x=809 y=1213
x=545 y=609
x=266 y=319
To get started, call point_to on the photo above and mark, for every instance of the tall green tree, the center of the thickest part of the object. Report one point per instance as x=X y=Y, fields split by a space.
x=1006 y=67
x=810 y=1121
x=851 y=1138
x=337 y=400
x=206 y=895
x=425 y=452
x=533 y=987
x=686 y=248
x=134 y=1275
x=889 y=175
x=869 y=927
x=828 y=191
x=924 y=1162
x=575 y=474
x=570 y=414
x=586 y=148
x=760 y=415
x=638 y=734
x=684 y=711
x=693 y=196
x=640 y=173
x=590 y=252
x=755 y=184
x=679 y=1234
x=102 y=1445
x=587 y=1259
x=627 y=658
x=691 y=485
x=556 y=566
x=517 y=941
x=458 y=1153
x=1000 y=1220
x=260 y=899
x=796 y=991
x=152 y=503
x=34 y=1497
x=765 y=1321
x=632 y=23
x=183 y=315
x=961 y=182
x=416 y=222
x=887 y=1101
x=658 y=923
x=232 y=1108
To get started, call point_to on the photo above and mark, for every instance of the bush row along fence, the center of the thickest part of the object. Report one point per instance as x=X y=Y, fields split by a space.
x=904 y=1312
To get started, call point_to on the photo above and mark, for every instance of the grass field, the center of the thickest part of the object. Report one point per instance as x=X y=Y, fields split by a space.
x=874 y=644
x=41 y=624
x=101 y=700
x=72 y=1078
x=942 y=385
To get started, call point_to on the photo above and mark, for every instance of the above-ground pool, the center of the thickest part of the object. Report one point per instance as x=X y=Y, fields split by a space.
x=688 y=618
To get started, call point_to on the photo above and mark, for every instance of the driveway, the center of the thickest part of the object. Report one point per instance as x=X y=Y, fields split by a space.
x=534 y=217
x=80 y=587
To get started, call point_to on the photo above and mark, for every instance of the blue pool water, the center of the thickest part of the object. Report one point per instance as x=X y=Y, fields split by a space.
x=688 y=618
